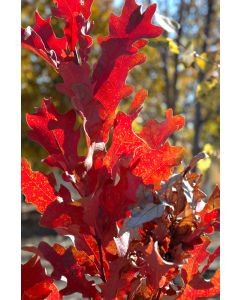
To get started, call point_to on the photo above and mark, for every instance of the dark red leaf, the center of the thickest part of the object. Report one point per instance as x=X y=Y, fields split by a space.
x=64 y=216
x=44 y=29
x=72 y=264
x=56 y=133
x=36 y=285
x=120 y=276
x=156 y=267
x=32 y=41
x=100 y=210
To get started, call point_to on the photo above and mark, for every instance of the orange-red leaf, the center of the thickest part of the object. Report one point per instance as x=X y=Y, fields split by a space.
x=156 y=134
x=151 y=164
x=37 y=187
x=199 y=288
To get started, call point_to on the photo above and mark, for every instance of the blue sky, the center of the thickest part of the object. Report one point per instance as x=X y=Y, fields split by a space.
x=117 y=3
x=171 y=4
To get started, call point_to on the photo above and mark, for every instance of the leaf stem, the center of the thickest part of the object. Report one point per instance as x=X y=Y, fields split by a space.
x=99 y=243
x=158 y=294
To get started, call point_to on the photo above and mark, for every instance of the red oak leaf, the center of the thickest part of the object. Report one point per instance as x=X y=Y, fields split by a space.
x=31 y=40
x=100 y=210
x=209 y=217
x=44 y=29
x=56 y=133
x=124 y=141
x=121 y=195
x=77 y=85
x=91 y=181
x=156 y=134
x=35 y=283
x=211 y=258
x=196 y=285
x=213 y=202
x=200 y=288
x=42 y=40
x=64 y=216
x=156 y=165
x=120 y=54
x=133 y=24
x=37 y=187
x=198 y=255
x=137 y=102
x=72 y=264
x=70 y=10
x=155 y=267
x=120 y=277
x=151 y=164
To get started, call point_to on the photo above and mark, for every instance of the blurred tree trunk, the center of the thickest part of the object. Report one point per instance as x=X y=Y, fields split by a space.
x=175 y=93
x=198 y=108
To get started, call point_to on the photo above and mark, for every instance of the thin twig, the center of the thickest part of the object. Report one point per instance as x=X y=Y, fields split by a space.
x=99 y=243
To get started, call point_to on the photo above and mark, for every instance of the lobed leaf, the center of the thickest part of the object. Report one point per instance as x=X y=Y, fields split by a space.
x=35 y=284
x=151 y=164
x=37 y=187
x=56 y=133
x=72 y=264
x=72 y=11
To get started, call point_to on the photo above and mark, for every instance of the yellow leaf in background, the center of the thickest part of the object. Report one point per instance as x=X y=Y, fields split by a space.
x=161 y=39
x=204 y=164
x=200 y=61
x=179 y=169
x=206 y=87
x=173 y=47
x=208 y=148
